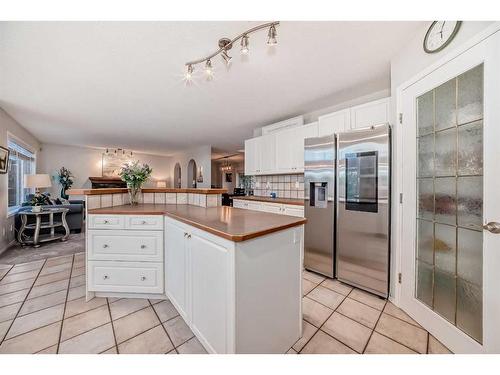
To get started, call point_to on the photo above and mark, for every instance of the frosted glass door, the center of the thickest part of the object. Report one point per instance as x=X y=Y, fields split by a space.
x=450 y=200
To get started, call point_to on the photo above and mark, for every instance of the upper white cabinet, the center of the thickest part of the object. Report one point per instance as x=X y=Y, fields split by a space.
x=290 y=147
x=372 y=113
x=260 y=156
x=335 y=122
x=252 y=156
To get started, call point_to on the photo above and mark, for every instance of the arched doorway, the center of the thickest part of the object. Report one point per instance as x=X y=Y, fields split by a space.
x=177 y=175
x=191 y=174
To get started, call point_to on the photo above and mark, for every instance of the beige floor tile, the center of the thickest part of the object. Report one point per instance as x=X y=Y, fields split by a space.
x=43 y=290
x=347 y=331
x=326 y=297
x=307 y=286
x=11 y=278
x=78 y=272
x=178 y=330
x=379 y=344
x=79 y=306
x=155 y=301
x=32 y=341
x=14 y=287
x=47 y=270
x=23 y=267
x=9 y=312
x=192 y=346
x=135 y=323
x=75 y=293
x=368 y=299
x=94 y=341
x=40 y=303
x=413 y=337
x=77 y=281
x=308 y=331
x=113 y=350
x=291 y=351
x=165 y=310
x=86 y=321
x=14 y=297
x=113 y=299
x=36 y=320
x=79 y=256
x=52 y=277
x=321 y=343
x=127 y=306
x=3 y=273
x=337 y=286
x=78 y=264
x=58 y=260
x=398 y=313
x=153 y=341
x=6 y=266
x=313 y=277
x=436 y=346
x=4 y=327
x=314 y=312
x=50 y=350
x=359 y=312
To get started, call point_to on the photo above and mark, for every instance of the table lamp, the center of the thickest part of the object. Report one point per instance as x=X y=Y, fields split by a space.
x=37 y=181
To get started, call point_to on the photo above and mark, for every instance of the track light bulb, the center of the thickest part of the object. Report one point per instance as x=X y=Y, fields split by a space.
x=189 y=73
x=208 y=68
x=271 y=36
x=226 y=57
x=244 y=45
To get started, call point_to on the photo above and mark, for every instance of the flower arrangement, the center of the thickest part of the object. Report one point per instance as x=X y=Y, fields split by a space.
x=135 y=175
x=66 y=180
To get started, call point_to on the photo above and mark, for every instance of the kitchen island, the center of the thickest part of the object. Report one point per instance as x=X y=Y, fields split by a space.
x=234 y=275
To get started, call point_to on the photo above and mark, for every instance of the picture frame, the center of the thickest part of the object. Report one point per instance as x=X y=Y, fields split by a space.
x=4 y=160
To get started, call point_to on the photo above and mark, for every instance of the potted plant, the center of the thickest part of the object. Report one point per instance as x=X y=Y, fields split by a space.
x=66 y=180
x=135 y=175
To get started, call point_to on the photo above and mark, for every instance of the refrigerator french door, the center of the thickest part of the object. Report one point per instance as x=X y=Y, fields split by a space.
x=363 y=208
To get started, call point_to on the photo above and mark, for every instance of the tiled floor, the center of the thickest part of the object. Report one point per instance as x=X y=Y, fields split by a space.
x=43 y=310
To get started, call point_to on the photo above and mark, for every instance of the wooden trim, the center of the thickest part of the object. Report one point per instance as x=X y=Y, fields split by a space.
x=291 y=201
x=145 y=190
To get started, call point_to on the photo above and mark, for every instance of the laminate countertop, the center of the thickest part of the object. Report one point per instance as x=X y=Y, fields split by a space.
x=233 y=224
x=293 y=201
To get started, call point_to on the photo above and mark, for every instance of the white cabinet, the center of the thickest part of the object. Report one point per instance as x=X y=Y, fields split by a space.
x=270 y=207
x=260 y=157
x=372 y=113
x=290 y=147
x=176 y=264
x=335 y=122
x=291 y=210
x=252 y=156
x=275 y=208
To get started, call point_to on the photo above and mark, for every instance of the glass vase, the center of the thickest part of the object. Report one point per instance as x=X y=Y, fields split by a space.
x=134 y=192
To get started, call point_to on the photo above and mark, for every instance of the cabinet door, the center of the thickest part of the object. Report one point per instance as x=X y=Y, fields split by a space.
x=373 y=113
x=209 y=291
x=239 y=204
x=175 y=265
x=285 y=146
x=272 y=208
x=267 y=154
x=304 y=132
x=251 y=156
x=293 y=210
x=335 y=122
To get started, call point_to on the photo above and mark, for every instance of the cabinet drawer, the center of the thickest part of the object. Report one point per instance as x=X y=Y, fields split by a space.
x=125 y=245
x=106 y=222
x=143 y=222
x=125 y=277
x=238 y=204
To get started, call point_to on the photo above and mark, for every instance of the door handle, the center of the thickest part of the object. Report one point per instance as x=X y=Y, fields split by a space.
x=492 y=227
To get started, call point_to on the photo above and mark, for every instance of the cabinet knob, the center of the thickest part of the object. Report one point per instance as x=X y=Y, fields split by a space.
x=143 y=246
x=106 y=222
x=185 y=234
x=189 y=236
x=106 y=277
x=105 y=246
x=143 y=278
x=144 y=222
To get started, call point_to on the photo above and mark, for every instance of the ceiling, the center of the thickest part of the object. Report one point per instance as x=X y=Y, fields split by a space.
x=120 y=84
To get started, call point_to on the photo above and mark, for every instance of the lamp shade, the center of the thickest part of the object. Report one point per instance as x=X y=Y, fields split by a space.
x=161 y=184
x=37 y=181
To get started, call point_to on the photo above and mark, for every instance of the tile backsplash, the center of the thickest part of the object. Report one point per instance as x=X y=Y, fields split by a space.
x=285 y=186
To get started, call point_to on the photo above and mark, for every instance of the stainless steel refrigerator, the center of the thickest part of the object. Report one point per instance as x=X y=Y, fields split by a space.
x=363 y=208
x=319 y=205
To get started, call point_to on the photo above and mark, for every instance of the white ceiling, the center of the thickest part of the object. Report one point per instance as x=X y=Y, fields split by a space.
x=120 y=84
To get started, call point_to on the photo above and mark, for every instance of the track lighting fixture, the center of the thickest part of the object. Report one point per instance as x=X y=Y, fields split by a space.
x=271 y=36
x=244 y=45
x=225 y=44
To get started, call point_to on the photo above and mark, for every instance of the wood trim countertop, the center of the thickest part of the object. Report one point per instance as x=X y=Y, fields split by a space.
x=292 y=201
x=144 y=190
x=230 y=223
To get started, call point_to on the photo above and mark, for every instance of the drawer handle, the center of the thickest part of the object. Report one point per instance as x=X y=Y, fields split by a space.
x=189 y=236
x=105 y=246
x=106 y=277
x=143 y=246
x=185 y=234
x=143 y=278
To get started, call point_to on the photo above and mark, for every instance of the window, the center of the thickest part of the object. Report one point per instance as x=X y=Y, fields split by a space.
x=361 y=181
x=21 y=162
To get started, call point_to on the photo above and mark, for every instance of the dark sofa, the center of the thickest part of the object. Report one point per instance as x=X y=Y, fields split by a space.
x=74 y=217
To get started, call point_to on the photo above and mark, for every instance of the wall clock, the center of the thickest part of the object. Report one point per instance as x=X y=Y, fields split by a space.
x=440 y=34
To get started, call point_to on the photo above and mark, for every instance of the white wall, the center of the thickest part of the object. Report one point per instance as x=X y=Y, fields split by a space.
x=85 y=162
x=202 y=156
x=9 y=125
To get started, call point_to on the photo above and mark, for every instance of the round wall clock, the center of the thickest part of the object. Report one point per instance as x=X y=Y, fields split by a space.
x=440 y=34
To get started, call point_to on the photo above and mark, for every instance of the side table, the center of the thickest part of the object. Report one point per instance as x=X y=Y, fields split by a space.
x=36 y=239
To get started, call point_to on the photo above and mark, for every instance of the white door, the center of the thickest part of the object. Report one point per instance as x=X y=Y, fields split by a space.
x=251 y=156
x=451 y=182
x=335 y=122
x=175 y=266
